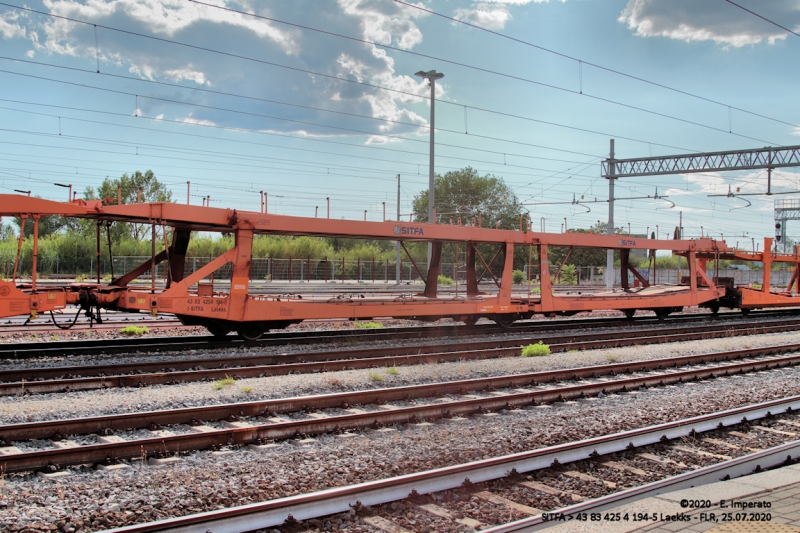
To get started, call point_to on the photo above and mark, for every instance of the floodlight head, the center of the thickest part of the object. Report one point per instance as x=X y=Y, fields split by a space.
x=430 y=75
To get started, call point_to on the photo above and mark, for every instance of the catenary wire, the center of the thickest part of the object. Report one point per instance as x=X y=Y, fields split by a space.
x=601 y=67
x=383 y=46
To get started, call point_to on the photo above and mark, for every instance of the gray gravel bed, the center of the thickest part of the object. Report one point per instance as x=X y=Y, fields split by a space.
x=203 y=481
x=341 y=344
x=159 y=397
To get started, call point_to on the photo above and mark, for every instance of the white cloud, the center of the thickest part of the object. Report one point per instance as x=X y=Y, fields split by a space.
x=190 y=120
x=386 y=22
x=9 y=28
x=187 y=73
x=381 y=21
x=720 y=22
x=485 y=16
x=491 y=14
x=168 y=17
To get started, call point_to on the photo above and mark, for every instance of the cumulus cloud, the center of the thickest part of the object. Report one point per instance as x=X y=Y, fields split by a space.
x=720 y=22
x=485 y=15
x=9 y=27
x=386 y=22
x=383 y=22
x=491 y=14
x=748 y=182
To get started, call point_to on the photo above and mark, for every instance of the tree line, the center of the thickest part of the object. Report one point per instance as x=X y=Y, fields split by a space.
x=68 y=245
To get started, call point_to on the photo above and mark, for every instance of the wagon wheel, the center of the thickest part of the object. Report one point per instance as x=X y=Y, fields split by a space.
x=471 y=320
x=629 y=313
x=663 y=313
x=250 y=331
x=218 y=329
x=504 y=321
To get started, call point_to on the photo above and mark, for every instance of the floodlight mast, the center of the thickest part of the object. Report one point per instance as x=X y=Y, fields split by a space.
x=431 y=76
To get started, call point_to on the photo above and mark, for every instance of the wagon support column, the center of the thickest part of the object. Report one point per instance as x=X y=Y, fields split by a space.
x=433 y=270
x=240 y=278
x=766 y=260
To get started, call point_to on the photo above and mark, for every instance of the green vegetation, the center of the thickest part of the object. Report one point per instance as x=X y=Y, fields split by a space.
x=518 y=277
x=612 y=358
x=392 y=370
x=568 y=275
x=444 y=281
x=374 y=376
x=539 y=349
x=464 y=194
x=222 y=383
x=134 y=330
x=369 y=325
x=246 y=390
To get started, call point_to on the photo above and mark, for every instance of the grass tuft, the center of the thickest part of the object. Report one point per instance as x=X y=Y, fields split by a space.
x=375 y=376
x=246 y=390
x=539 y=349
x=134 y=330
x=392 y=370
x=369 y=325
x=222 y=383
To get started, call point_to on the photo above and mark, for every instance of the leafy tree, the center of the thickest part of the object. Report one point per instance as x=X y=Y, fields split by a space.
x=47 y=225
x=583 y=256
x=465 y=194
x=131 y=187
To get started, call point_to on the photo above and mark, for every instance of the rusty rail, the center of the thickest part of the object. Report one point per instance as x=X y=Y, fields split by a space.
x=100 y=453
x=49 y=380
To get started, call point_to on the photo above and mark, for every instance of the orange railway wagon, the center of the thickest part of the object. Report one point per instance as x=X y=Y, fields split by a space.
x=238 y=309
x=749 y=298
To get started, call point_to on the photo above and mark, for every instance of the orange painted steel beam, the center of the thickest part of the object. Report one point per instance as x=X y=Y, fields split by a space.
x=215 y=219
x=238 y=306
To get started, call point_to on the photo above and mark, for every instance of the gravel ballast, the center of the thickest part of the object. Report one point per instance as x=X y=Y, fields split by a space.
x=160 y=397
x=92 y=500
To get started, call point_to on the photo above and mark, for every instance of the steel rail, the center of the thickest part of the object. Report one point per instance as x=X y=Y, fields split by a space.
x=340 y=499
x=100 y=453
x=277 y=338
x=116 y=422
x=107 y=325
x=116 y=369
x=33 y=381
x=732 y=468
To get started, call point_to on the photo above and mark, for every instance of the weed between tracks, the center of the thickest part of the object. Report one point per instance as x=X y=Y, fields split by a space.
x=134 y=330
x=369 y=325
x=539 y=349
x=375 y=376
x=222 y=383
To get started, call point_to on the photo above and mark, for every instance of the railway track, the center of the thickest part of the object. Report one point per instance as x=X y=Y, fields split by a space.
x=137 y=374
x=24 y=350
x=576 y=472
x=110 y=321
x=257 y=424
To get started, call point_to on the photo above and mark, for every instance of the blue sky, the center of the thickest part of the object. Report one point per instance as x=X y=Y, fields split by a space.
x=254 y=103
